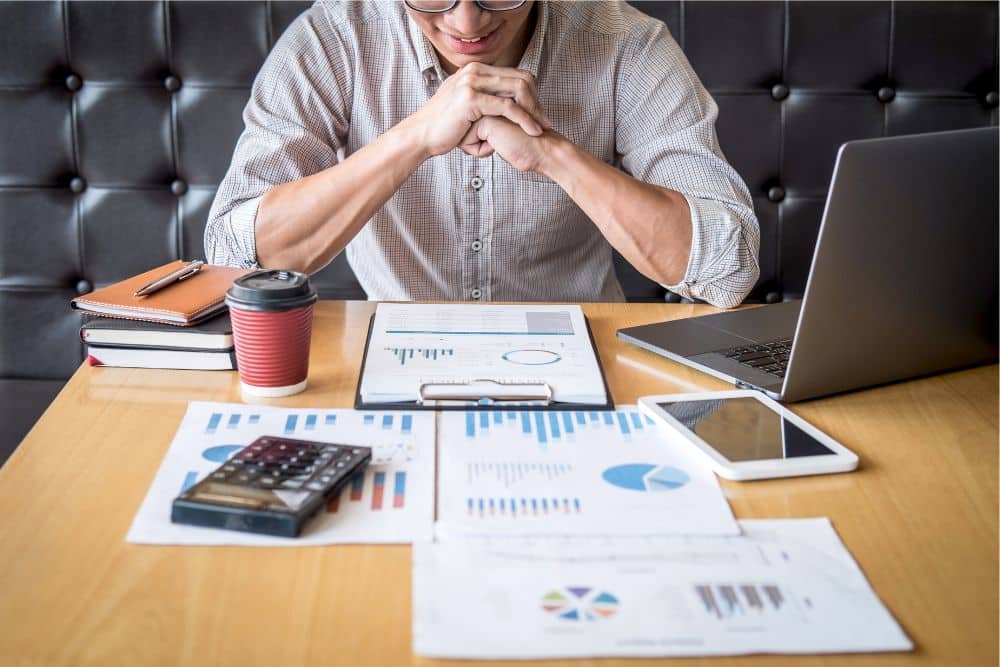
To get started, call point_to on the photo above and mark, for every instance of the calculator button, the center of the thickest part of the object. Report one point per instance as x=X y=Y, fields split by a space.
x=316 y=486
x=243 y=477
x=331 y=448
x=267 y=482
x=292 y=484
x=355 y=451
x=326 y=479
x=219 y=475
x=229 y=468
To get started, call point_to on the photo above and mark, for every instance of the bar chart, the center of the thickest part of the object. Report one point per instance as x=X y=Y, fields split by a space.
x=513 y=507
x=404 y=354
x=368 y=489
x=549 y=426
x=745 y=600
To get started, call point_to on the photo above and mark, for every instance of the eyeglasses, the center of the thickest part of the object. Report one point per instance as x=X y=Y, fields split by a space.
x=442 y=6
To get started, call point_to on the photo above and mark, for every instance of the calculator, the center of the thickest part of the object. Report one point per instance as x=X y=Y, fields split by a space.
x=272 y=486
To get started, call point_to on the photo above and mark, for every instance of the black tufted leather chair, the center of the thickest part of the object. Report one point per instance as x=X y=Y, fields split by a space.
x=117 y=121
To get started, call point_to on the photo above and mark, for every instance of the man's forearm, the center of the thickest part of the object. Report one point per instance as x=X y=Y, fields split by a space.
x=304 y=224
x=648 y=224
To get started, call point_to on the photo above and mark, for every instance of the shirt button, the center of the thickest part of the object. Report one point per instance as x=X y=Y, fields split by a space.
x=476 y=293
x=477 y=245
x=476 y=182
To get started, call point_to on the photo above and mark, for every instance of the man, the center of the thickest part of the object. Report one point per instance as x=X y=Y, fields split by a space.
x=491 y=150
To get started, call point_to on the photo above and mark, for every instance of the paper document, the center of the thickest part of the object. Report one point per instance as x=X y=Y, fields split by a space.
x=393 y=501
x=519 y=347
x=786 y=586
x=578 y=472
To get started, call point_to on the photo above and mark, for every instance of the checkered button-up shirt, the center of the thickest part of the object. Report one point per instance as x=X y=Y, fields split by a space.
x=612 y=80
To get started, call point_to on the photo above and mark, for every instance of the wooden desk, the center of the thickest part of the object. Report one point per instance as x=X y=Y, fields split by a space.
x=920 y=516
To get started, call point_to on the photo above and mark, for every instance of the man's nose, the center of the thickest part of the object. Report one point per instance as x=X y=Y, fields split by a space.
x=467 y=18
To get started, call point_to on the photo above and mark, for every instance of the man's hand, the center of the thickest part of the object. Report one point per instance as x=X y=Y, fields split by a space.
x=475 y=92
x=521 y=150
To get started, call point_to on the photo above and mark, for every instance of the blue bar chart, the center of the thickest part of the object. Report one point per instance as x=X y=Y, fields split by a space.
x=548 y=426
x=513 y=506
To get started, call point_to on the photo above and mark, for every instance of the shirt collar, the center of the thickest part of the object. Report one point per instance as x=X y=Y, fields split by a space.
x=427 y=58
x=532 y=57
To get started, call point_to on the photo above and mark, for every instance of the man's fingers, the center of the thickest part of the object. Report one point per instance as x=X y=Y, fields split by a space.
x=489 y=105
x=508 y=82
x=477 y=149
x=485 y=150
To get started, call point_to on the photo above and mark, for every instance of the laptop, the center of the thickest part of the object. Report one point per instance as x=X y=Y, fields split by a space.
x=903 y=281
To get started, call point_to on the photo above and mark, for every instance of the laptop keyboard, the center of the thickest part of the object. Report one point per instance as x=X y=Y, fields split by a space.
x=769 y=357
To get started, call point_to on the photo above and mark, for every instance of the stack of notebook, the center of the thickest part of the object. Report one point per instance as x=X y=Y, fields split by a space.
x=182 y=326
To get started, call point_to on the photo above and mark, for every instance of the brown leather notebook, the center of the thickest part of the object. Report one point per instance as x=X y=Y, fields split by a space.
x=182 y=303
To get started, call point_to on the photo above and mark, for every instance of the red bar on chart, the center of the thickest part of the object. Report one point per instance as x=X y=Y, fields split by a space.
x=357 y=486
x=399 y=491
x=378 y=491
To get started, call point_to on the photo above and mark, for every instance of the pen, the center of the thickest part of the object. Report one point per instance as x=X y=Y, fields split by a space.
x=180 y=274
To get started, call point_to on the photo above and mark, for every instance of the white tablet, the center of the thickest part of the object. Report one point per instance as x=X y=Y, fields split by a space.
x=743 y=434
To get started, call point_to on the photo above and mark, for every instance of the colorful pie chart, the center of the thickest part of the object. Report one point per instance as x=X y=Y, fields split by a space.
x=580 y=603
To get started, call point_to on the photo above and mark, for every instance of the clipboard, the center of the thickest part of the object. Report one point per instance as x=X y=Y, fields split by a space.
x=528 y=396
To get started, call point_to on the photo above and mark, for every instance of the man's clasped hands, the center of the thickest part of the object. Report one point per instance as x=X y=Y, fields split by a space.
x=481 y=109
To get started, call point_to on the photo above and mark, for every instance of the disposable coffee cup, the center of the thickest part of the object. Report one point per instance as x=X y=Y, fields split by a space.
x=272 y=314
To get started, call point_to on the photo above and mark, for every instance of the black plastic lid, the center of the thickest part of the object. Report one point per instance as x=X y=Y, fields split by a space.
x=271 y=290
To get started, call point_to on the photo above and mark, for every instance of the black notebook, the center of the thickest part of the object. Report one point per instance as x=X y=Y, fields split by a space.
x=149 y=357
x=215 y=334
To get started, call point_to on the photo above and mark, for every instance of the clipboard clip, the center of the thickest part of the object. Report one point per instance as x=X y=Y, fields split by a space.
x=484 y=391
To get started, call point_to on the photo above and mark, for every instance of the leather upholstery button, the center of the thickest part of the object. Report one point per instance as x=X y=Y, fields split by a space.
x=886 y=94
x=992 y=98
x=779 y=91
x=73 y=83
x=773 y=297
x=776 y=193
x=77 y=185
x=172 y=83
x=178 y=187
x=84 y=287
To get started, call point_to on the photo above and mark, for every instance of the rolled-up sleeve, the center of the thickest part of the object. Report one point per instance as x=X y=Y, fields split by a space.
x=295 y=125
x=665 y=126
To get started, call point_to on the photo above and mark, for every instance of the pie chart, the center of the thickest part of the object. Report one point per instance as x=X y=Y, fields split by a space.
x=580 y=603
x=646 y=477
x=220 y=453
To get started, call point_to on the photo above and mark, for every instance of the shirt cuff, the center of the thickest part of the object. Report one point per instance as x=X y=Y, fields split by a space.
x=242 y=221
x=716 y=235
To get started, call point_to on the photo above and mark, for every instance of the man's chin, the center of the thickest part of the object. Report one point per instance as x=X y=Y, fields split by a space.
x=460 y=60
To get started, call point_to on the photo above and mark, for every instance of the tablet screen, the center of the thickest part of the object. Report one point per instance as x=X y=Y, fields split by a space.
x=744 y=429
